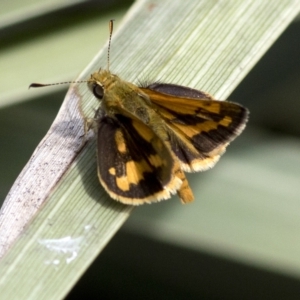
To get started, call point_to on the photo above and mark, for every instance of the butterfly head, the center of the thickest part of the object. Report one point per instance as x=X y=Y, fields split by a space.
x=100 y=82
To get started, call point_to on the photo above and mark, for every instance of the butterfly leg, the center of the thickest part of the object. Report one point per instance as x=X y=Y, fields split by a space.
x=90 y=124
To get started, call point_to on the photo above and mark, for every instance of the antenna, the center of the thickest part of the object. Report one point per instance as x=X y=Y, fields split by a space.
x=37 y=85
x=111 y=28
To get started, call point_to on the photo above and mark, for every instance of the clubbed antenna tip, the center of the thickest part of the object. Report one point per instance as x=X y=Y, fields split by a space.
x=111 y=28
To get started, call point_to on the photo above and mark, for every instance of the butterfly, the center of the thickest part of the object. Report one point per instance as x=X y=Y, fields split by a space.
x=148 y=136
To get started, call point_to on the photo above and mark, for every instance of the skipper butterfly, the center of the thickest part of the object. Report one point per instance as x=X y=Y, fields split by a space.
x=148 y=136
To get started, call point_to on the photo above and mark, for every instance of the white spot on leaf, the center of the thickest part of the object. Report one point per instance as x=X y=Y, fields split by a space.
x=65 y=246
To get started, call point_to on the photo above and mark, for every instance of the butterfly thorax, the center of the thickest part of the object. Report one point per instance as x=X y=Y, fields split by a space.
x=117 y=95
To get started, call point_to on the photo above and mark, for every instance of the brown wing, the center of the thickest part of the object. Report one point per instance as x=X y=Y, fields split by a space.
x=134 y=165
x=200 y=128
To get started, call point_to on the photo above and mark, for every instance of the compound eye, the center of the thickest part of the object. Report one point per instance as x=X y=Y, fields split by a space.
x=98 y=91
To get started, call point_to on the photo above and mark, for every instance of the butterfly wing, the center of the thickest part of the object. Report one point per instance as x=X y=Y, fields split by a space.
x=134 y=165
x=200 y=128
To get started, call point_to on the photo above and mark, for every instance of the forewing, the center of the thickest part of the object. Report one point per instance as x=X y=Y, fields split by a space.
x=200 y=127
x=134 y=165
